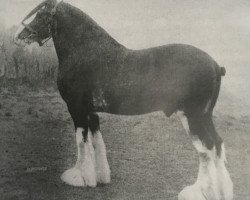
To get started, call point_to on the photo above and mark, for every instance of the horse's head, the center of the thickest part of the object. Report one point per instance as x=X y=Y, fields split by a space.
x=39 y=29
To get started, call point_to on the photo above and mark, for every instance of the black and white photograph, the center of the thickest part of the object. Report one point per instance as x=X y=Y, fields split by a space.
x=124 y=99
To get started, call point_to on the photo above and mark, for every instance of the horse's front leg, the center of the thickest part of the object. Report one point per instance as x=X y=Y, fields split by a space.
x=84 y=171
x=102 y=166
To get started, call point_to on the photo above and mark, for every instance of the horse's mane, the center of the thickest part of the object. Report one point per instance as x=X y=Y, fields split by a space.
x=78 y=14
x=80 y=18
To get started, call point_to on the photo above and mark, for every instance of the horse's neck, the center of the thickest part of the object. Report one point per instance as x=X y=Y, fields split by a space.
x=75 y=33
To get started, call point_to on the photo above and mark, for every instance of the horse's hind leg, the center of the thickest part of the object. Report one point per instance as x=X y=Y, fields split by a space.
x=224 y=181
x=213 y=181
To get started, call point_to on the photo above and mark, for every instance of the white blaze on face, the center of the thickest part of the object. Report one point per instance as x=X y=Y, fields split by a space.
x=19 y=30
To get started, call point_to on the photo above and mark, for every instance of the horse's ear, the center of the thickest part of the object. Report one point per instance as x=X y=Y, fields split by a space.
x=50 y=4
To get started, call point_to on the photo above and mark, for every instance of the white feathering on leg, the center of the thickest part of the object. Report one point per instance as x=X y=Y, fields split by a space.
x=83 y=174
x=102 y=166
x=184 y=121
x=206 y=186
x=73 y=177
x=207 y=179
x=225 y=182
x=87 y=162
x=79 y=138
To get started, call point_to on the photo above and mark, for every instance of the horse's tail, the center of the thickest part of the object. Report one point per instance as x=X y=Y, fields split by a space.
x=219 y=72
x=222 y=71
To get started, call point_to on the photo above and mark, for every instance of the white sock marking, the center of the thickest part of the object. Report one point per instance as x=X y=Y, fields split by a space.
x=207 y=177
x=84 y=172
x=79 y=138
x=213 y=181
x=102 y=166
x=73 y=177
x=225 y=182
x=184 y=121
x=87 y=163
x=206 y=185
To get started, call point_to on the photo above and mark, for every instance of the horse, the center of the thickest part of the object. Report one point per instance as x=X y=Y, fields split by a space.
x=98 y=74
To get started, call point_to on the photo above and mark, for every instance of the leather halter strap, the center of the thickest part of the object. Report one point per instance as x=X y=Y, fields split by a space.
x=52 y=13
x=28 y=27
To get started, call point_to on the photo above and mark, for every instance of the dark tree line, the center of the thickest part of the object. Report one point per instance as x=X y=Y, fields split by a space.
x=31 y=65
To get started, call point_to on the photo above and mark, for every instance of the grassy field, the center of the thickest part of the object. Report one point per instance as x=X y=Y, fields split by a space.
x=150 y=156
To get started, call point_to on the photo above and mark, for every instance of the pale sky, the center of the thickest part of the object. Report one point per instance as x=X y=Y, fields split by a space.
x=151 y=22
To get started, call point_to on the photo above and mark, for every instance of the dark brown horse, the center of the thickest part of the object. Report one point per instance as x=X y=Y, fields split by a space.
x=97 y=74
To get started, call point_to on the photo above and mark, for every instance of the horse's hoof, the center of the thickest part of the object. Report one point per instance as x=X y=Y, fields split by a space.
x=227 y=189
x=103 y=175
x=102 y=169
x=73 y=177
x=225 y=182
x=192 y=192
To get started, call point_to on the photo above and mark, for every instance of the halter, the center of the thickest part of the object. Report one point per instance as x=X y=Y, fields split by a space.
x=33 y=32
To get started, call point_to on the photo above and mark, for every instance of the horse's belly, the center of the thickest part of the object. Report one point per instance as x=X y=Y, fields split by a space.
x=138 y=106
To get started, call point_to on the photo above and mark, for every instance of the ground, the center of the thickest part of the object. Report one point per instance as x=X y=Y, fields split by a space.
x=150 y=156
